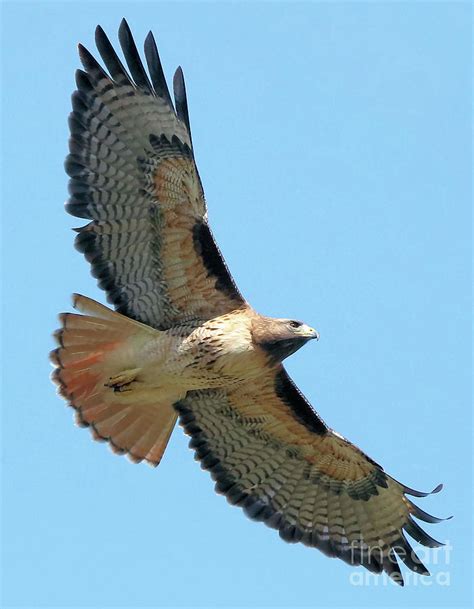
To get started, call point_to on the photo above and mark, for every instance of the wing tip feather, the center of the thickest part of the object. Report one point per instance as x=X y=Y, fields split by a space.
x=155 y=69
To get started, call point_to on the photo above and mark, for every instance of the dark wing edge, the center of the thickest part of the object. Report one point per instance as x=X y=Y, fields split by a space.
x=248 y=458
x=287 y=391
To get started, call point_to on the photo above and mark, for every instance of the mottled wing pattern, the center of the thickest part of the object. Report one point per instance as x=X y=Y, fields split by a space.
x=133 y=175
x=271 y=454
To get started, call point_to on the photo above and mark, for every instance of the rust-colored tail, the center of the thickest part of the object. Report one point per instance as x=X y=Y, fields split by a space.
x=97 y=373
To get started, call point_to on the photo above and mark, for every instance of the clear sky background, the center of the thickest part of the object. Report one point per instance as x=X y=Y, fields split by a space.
x=333 y=140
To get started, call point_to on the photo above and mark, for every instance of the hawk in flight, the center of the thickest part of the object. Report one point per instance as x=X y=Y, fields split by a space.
x=183 y=341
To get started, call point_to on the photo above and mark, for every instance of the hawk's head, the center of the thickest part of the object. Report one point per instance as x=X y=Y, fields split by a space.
x=281 y=337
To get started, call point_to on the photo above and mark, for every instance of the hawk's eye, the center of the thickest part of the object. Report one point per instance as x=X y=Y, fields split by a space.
x=295 y=324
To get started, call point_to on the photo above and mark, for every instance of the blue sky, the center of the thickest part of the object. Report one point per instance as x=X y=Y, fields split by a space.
x=333 y=140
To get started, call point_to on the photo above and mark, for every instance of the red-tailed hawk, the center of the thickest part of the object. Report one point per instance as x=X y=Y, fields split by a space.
x=184 y=342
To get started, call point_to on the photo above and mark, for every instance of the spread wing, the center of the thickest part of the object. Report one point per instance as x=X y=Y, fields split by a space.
x=271 y=454
x=133 y=174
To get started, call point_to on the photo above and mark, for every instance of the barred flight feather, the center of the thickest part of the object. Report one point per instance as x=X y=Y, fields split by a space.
x=124 y=129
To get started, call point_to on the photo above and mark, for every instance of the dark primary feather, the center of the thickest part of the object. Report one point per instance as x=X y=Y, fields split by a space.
x=110 y=58
x=415 y=531
x=180 y=98
x=414 y=493
x=156 y=71
x=132 y=57
x=83 y=82
x=93 y=68
x=407 y=554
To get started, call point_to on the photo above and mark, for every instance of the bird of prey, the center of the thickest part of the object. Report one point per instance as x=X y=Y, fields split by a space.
x=183 y=341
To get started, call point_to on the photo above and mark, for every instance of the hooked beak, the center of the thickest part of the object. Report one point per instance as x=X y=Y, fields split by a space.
x=311 y=333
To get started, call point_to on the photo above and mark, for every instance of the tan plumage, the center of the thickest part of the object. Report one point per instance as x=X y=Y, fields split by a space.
x=183 y=341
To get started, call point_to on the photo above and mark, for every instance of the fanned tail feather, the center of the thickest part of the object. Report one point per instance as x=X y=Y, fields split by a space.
x=93 y=347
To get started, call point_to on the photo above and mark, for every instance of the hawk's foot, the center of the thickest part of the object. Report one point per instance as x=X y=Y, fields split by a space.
x=123 y=381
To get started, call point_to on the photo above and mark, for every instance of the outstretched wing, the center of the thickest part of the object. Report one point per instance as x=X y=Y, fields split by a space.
x=271 y=454
x=133 y=174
